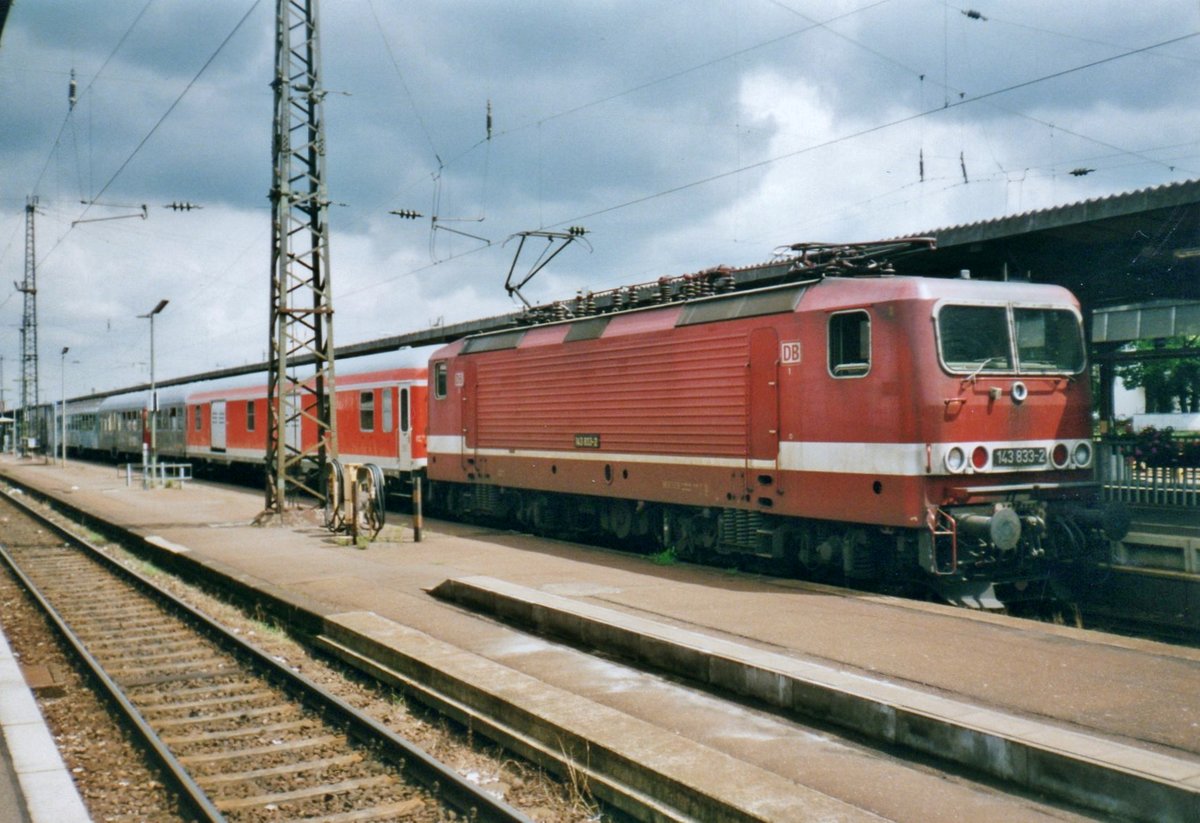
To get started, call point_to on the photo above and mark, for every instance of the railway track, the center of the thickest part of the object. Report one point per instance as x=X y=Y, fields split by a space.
x=240 y=736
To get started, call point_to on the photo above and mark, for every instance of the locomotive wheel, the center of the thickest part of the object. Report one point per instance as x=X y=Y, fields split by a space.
x=706 y=532
x=697 y=537
x=621 y=519
x=544 y=515
x=702 y=531
x=793 y=547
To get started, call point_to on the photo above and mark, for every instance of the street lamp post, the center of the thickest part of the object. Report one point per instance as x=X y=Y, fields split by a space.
x=63 y=393
x=162 y=304
x=12 y=414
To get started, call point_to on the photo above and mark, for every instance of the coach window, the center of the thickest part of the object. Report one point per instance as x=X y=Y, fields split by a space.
x=439 y=380
x=404 y=410
x=366 y=411
x=249 y=415
x=850 y=344
x=387 y=410
x=199 y=418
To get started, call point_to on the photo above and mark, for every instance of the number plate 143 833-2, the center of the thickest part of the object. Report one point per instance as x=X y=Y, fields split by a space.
x=1019 y=457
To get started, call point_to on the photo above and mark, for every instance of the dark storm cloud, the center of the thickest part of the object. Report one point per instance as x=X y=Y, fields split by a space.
x=122 y=95
x=681 y=134
x=879 y=56
x=571 y=125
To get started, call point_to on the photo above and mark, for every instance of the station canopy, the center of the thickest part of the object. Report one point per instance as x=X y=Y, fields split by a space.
x=1133 y=259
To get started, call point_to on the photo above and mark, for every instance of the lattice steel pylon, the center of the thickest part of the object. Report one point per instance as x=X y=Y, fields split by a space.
x=29 y=345
x=298 y=402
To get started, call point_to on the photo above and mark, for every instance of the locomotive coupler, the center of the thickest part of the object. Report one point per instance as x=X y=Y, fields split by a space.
x=1001 y=528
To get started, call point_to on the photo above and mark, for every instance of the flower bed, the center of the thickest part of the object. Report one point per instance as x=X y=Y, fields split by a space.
x=1163 y=449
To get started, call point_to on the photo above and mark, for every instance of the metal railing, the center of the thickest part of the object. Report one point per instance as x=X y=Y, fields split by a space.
x=157 y=474
x=1129 y=475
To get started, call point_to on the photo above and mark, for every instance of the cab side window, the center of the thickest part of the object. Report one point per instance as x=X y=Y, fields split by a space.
x=850 y=344
x=439 y=380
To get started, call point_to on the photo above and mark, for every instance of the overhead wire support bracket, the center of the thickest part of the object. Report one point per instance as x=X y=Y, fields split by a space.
x=566 y=238
x=143 y=212
x=436 y=222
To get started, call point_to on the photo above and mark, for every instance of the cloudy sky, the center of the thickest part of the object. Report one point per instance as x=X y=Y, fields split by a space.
x=682 y=135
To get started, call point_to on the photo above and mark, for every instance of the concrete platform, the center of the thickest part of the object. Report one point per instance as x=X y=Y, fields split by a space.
x=35 y=786
x=1130 y=700
x=1121 y=779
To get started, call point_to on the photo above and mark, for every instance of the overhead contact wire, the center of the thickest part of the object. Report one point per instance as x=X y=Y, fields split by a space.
x=882 y=126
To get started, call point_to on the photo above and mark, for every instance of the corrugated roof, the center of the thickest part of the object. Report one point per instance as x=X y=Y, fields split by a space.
x=1167 y=195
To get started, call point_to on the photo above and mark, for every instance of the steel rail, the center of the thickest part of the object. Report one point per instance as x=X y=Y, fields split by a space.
x=185 y=785
x=438 y=778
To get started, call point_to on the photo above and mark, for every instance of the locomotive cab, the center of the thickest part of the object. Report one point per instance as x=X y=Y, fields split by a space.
x=1011 y=457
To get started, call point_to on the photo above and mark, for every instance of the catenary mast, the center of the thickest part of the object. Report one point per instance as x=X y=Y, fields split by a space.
x=301 y=329
x=29 y=344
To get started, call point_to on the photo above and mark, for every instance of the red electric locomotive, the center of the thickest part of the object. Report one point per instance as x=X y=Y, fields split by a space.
x=879 y=428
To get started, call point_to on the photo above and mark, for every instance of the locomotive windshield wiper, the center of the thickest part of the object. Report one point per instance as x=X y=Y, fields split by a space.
x=975 y=374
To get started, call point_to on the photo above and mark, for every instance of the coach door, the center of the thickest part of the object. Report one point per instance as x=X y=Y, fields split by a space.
x=464 y=378
x=404 y=429
x=762 y=414
x=217 y=418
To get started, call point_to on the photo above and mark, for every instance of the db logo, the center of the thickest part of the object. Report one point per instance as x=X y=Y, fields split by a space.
x=789 y=352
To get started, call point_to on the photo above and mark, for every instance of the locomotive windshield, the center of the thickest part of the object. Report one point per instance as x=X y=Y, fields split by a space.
x=976 y=339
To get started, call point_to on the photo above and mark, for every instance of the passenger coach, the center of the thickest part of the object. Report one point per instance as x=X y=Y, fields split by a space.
x=380 y=407
x=380 y=403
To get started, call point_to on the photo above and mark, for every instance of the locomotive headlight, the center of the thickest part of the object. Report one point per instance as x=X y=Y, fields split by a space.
x=956 y=459
x=1083 y=455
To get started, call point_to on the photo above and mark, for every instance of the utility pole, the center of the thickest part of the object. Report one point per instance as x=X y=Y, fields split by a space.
x=301 y=323
x=29 y=347
x=4 y=433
